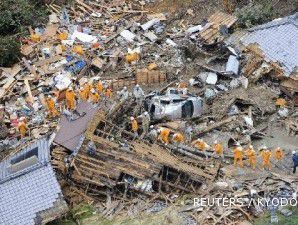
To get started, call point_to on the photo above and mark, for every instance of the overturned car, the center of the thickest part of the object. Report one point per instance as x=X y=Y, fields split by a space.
x=173 y=104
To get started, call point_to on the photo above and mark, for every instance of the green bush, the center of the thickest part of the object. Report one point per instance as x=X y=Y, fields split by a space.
x=254 y=14
x=9 y=50
x=15 y=17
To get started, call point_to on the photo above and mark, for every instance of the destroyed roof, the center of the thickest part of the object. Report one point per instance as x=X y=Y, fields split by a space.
x=278 y=40
x=28 y=185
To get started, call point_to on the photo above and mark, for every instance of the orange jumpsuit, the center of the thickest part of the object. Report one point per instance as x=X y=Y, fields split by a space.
x=94 y=97
x=218 y=149
x=252 y=159
x=87 y=88
x=83 y=95
x=200 y=145
x=70 y=99
x=178 y=138
x=22 y=128
x=266 y=154
x=164 y=135
x=51 y=107
x=108 y=93
x=278 y=154
x=99 y=87
x=134 y=126
x=238 y=156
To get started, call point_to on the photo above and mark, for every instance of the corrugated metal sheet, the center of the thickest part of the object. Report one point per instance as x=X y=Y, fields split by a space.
x=278 y=40
x=43 y=158
x=211 y=32
x=70 y=133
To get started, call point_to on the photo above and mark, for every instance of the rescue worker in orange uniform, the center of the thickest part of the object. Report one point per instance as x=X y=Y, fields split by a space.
x=108 y=93
x=178 y=138
x=218 y=149
x=200 y=145
x=87 y=88
x=22 y=126
x=252 y=158
x=266 y=154
x=70 y=99
x=99 y=87
x=278 y=154
x=94 y=96
x=238 y=155
x=52 y=111
x=83 y=94
x=164 y=134
x=134 y=126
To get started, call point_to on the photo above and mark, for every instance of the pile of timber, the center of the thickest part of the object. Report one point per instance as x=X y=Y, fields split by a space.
x=140 y=160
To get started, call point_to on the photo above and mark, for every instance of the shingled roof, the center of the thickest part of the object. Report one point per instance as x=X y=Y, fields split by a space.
x=28 y=186
x=278 y=40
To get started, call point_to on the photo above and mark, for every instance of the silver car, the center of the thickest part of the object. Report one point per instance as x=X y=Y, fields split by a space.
x=174 y=104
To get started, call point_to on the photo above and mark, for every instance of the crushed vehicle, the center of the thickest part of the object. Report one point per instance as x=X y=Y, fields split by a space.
x=173 y=104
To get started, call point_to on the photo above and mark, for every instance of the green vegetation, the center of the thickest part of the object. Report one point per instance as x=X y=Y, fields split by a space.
x=291 y=220
x=15 y=17
x=254 y=14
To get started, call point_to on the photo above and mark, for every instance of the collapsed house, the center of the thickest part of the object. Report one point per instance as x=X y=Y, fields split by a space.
x=272 y=49
x=120 y=160
x=29 y=190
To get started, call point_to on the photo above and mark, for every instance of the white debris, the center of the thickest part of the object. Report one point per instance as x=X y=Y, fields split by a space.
x=194 y=29
x=127 y=35
x=211 y=78
x=170 y=42
x=149 y=24
x=86 y=38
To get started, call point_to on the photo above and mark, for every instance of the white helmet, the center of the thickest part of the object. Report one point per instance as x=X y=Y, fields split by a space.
x=125 y=88
x=237 y=144
x=293 y=152
x=92 y=90
x=250 y=146
x=132 y=118
x=70 y=88
x=151 y=126
x=145 y=113
x=81 y=88
x=264 y=147
x=137 y=85
x=215 y=142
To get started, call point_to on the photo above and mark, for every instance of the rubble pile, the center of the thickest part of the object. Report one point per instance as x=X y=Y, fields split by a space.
x=156 y=94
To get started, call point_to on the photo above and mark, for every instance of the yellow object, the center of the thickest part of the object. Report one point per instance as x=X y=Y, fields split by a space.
x=87 y=88
x=35 y=37
x=99 y=87
x=132 y=57
x=278 y=154
x=22 y=129
x=83 y=95
x=63 y=36
x=178 y=138
x=134 y=125
x=281 y=102
x=218 y=149
x=266 y=154
x=252 y=159
x=70 y=99
x=78 y=49
x=108 y=93
x=200 y=145
x=51 y=107
x=238 y=156
x=152 y=66
x=94 y=97
x=164 y=135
